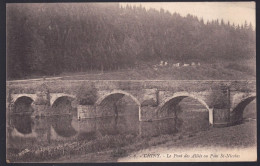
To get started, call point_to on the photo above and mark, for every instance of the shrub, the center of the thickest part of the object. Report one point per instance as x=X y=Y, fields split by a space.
x=42 y=99
x=87 y=95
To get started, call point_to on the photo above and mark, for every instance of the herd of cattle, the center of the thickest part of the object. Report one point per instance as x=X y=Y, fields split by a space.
x=165 y=63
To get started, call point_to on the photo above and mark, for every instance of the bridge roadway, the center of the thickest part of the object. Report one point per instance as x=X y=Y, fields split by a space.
x=225 y=100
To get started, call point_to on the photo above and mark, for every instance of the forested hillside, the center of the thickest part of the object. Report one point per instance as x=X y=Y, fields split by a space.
x=48 y=39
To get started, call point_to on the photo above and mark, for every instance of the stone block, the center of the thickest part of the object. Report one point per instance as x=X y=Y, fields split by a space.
x=86 y=111
x=149 y=102
x=150 y=97
x=86 y=126
x=41 y=98
x=221 y=117
x=148 y=113
x=40 y=110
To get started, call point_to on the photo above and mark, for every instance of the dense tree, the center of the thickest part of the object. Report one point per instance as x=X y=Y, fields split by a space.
x=47 y=39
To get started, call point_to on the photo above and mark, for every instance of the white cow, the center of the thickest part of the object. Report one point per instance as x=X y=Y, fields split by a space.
x=176 y=65
x=161 y=63
x=155 y=67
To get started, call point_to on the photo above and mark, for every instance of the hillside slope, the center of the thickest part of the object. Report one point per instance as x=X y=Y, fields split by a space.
x=216 y=71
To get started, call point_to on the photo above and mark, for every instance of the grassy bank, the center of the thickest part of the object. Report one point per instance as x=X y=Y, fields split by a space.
x=206 y=71
x=217 y=71
x=118 y=146
x=240 y=136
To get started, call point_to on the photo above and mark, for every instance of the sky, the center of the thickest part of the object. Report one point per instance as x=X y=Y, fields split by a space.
x=234 y=12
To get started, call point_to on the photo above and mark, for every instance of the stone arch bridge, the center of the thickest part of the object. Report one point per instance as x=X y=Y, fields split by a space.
x=225 y=100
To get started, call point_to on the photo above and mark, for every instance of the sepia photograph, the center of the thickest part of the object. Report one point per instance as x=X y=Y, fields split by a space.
x=110 y=82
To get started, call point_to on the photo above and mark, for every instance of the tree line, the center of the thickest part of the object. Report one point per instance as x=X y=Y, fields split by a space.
x=48 y=39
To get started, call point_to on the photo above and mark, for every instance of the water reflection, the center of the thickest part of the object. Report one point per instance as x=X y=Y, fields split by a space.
x=22 y=123
x=68 y=126
x=159 y=127
x=62 y=125
x=193 y=121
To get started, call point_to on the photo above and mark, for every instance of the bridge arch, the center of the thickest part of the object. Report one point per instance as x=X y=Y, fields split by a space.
x=183 y=95
x=99 y=101
x=28 y=99
x=22 y=101
x=55 y=97
x=62 y=98
x=175 y=100
x=237 y=112
x=120 y=92
x=15 y=97
x=244 y=102
x=63 y=105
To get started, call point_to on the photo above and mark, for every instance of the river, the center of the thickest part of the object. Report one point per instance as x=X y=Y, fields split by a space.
x=27 y=132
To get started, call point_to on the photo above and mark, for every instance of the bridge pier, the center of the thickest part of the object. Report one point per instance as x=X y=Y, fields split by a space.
x=40 y=110
x=147 y=113
x=211 y=118
x=86 y=111
x=221 y=117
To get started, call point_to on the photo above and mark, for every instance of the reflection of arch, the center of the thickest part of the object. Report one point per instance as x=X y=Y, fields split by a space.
x=99 y=101
x=16 y=133
x=23 y=123
x=237 y=112
x=180 y=96
x=62 y=126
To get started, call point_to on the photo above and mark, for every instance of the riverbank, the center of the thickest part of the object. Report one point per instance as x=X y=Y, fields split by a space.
x=237 y=138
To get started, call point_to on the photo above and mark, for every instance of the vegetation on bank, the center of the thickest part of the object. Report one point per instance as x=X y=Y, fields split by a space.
x=48 y=39
x=59 y=149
